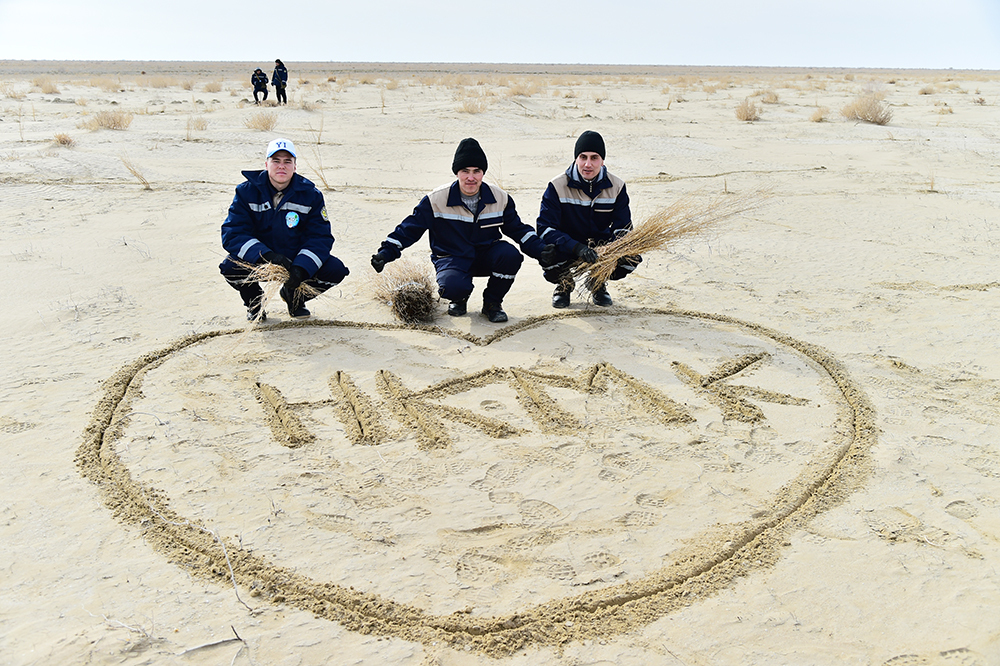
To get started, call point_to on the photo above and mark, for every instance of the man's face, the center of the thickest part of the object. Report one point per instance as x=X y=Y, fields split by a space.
x=469 y=180
x=589 y=165
x=280 y=168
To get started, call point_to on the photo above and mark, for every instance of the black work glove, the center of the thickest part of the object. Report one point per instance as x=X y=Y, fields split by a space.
x=585 y=253
x=296 y=276
x=379 y=260
x=547 y=256
x=277 y=259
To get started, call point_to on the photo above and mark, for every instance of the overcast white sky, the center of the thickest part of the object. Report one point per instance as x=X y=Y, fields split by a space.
x=960 y=34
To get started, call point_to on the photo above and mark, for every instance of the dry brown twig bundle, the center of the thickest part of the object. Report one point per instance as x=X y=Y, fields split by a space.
x=271 y=277
x=685 y=217
x=408 y=288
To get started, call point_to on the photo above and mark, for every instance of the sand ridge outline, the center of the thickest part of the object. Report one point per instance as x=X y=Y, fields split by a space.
x=724 y=554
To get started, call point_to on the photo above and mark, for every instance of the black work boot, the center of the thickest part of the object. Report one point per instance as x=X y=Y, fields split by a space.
x=457 y=308
x=494 y=312
x=602 y=297
x=296 y=305
x=560 y=297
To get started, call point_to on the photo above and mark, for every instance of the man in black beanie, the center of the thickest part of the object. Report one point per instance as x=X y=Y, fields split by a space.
x=584 y=207
x=465 y=219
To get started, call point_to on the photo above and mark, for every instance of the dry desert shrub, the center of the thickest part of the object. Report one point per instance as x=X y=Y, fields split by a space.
x=157 y=82
x=682 y=219
x=112 y=120
x=81 y=101
x=926 y=90
x=105 y=84
x=64 y=140
x=473 y=105
x=767 y=96
x=522 y=88
x=46 y=85
x=407 y=287
x=868 y=108
x=819 y=115
x=262 y=121
x=10 y=91
x=187 y=84
x=213 y=86
x=195 y=124
x=748 y=111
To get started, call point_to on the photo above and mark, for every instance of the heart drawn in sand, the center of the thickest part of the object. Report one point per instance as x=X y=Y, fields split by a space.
x=571 y=476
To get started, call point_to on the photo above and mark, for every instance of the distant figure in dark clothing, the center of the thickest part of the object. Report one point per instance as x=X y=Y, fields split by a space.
x=259 y=82
x=280 y=80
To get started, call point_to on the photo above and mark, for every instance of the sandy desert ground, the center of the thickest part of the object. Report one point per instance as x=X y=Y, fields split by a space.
x=778 y=447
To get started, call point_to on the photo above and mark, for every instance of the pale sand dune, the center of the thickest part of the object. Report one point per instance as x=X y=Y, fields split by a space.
x=778 y=448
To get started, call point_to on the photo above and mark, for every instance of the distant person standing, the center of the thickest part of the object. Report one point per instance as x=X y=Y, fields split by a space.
x=280 y=80
x=259 y=82
x=582 y=208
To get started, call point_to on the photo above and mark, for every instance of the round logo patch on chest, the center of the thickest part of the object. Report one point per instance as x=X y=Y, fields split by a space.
x=292 y=219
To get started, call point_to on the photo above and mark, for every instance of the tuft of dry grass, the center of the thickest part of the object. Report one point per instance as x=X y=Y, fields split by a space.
x=112 y=120
x=46 y=85
x=819 y=115
x=684 y=218
x=10 y=91
x=748 y=111
x=63 y=139
x=408 y=287
x=263 y=121
x=473 y=105
x=868 y=108
x=213 y=86
x=767 y=96
x=134 y=170
x=926 y=90
x=271 y=278
x=195 y=124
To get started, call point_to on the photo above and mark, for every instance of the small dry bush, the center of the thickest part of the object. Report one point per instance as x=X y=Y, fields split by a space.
x=926 y=90
x=767 y=96
x=213 y=86
x=46 y=85
x=867 y=108
x=81 y=101
x=819 y=115
x=407 y=287
x=981 y=101
x=107 y=85
x=10 y=91
x=262 y=121
x=187 y=84
x=196 y=124
x=473 y=105
x=64 y=140
x=522 y=88
x=748 y=111
x=112 y=120
x=157 y=82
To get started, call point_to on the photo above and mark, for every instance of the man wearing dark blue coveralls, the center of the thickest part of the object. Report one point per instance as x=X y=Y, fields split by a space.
x=279 y=217
x=259 y=82
x=279 y=79
x=584 y=207
x=464 y=220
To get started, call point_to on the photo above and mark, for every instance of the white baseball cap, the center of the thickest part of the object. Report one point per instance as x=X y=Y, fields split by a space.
x=280 y=144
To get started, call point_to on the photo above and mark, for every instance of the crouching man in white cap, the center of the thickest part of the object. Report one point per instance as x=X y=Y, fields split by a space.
x=464 y=219
x=278 y=216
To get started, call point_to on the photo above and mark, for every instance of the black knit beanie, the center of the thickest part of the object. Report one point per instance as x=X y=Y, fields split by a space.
x=589 y=142
x=469 y=154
